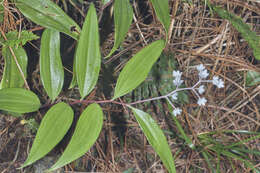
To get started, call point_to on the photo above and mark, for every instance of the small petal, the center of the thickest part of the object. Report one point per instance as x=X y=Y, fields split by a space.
x=203 y=74
x=200 y=67
x=202 y=101
x=174 y=96
x=218 y=82
x=215 y=80
x=201 y=89
x=177 y=82
x=176 y=111
x=176 y=74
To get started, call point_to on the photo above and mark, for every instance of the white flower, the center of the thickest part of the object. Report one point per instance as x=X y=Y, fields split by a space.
x=177 y=78
x=177 y=81
x=203 y=74
x=176 y=74
x=201 y=89
x=218 y=82
x=200 y=67
x=215 y=80
x=176 y=111
x=174 y=96
x=202 y=101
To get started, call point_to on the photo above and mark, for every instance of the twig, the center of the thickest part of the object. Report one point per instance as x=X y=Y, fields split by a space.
x=138 y=28
x=174 y=7
x=17 y=151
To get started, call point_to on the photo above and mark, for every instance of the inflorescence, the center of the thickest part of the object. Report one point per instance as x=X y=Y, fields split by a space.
x=198 y=88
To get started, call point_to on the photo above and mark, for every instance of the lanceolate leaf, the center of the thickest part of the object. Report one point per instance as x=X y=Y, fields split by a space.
x=86 y=133
x=48 y=14
x=88 y=57
x=11 y=76
x=155 y=137
x=18 y=100
x=51 y=69
x=250 y=36
x=123 y=16
x=137 y=68
x=162 y=11
x=53 y=127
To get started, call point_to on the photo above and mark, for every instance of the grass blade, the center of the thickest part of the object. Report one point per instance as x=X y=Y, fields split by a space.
x=206 y=155
x=250 y=36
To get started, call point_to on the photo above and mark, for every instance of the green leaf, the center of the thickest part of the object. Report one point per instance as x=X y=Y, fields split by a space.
x=155 y=137
x=250 y=36
x=88 y=57
x=206 y=156
x=15 y=38
x=53 y=127
x=11 y=75
x=85 y=135
x=51 y=69
x=18 y=100
x=252 y=78
x=73 y=82
x=162 y=11
x=123 y=16
x=1 y=12
x=137 y=68
x=48 y=14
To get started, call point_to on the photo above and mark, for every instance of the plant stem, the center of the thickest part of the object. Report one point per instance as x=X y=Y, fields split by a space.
x=139 y=101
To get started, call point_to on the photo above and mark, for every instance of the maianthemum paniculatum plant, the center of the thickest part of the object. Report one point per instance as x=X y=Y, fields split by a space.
x=87 y=64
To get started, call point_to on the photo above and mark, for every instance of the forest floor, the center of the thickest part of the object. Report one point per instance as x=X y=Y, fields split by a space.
x=197 y=36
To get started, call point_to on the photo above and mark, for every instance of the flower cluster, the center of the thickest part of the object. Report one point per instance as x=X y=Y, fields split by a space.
x=177 y=78
x=218 y=82
x=203 y=73
x=176 y=111
x=198 y=88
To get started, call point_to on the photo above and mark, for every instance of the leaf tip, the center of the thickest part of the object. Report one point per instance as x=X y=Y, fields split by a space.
x=26 y=163
x=57 y=165
x=82 y=98
x=51 y=169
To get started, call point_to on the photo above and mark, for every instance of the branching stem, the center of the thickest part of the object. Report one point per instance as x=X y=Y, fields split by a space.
x=139 y=101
